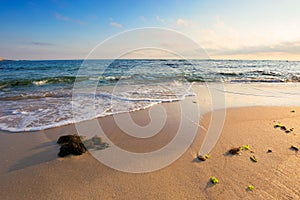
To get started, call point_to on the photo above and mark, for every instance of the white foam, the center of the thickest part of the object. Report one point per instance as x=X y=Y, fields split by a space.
x=49 y=112
x=39 y=83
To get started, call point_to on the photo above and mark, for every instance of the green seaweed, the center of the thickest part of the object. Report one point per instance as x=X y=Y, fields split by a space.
x=278 y=125
x=250 y=187
x=245 y=147
x=253 y=159
x=194 y=101
x=289 y=130
x=214 y=180
x=207 y=156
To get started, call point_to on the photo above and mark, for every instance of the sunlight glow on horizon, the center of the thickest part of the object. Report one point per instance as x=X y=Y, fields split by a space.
x=225 y=29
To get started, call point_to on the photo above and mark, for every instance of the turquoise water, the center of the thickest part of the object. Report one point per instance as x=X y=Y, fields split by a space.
x=35 y=95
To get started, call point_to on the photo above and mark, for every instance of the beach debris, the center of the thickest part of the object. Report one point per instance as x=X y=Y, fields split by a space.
x=203 y=158
x=283 y=128
x=250 y=187
x=245 y=147
x=214 y=180
x=194 y=101
x=70 y=144
x=289 y=130
x=235 y=151
x=278 y=125
x=269 y=151
x=294 y=148
x=253 y=159
x=293 y=110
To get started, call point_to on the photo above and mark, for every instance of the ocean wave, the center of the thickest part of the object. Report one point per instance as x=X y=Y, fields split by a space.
x=230 y=73
x=36 y=95
x=40 y=114
x=113 y=78
x=191 y=78
x=40 y=82
x=257 y=80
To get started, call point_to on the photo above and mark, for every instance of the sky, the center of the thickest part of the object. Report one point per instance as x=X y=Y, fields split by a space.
x=225 y=29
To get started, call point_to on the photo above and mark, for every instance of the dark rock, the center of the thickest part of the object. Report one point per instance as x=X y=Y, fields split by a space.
x=269 y=151
x=235 y=151
x=70 y=144
x=283 y=128
x=200 y=157
x=294 y=148
x=68 y=138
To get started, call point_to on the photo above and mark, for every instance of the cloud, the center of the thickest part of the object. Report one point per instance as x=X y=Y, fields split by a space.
x=291 y=47
x=41 y=44
x=182 y=22
x=61 y=17
x=158 y=18
x=222 y=40
x=116 y=25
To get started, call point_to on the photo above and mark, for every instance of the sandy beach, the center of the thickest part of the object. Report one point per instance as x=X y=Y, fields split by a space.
x=150 y=100
x=31 y=169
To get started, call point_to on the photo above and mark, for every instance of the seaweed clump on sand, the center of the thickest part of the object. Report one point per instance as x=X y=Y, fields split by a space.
x=253 y=159
x=250 y=187
x=70 y=144
x=283 y=128
x=203 y=158
x=214 y=180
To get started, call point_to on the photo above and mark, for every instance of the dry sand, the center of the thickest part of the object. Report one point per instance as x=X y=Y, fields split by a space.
x=30 y=168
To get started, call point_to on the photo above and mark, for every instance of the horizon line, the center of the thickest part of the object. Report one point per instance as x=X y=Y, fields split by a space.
x=220 y=59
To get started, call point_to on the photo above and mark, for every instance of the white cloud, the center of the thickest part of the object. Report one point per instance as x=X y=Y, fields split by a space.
x=61 y=17
x=115 y=24
x=182 y=22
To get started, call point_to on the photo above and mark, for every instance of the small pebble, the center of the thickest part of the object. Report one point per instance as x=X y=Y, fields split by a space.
x=269 y=151
x=235 y=151
x=202 y=158
x=293 y=147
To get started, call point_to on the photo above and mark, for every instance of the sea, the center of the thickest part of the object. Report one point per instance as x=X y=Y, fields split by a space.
x=36 y=95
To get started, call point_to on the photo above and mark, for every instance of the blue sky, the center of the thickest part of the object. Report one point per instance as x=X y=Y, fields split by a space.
x=231 y=29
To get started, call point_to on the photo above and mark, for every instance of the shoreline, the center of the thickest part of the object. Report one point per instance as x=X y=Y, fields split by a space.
x=31 y=165
x=231 y=95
